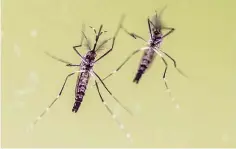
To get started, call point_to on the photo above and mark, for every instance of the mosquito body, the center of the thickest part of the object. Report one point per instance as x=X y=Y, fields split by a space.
x=149 y=54
x=86 y=72
x=86 y=68
x=151 y=49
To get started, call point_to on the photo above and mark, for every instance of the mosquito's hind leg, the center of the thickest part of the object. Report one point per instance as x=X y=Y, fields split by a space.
x=112 y=94
x=53 y=102
x=112 y=114
x=175 y=64
x=164 y=77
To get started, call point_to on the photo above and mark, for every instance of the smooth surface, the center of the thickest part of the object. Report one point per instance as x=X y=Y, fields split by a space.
x=203 y=45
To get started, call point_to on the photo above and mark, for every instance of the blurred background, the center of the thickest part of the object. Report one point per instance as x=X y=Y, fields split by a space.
x=203 y=45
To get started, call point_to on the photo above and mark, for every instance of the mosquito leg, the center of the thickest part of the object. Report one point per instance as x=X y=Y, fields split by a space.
x=164 y=74
x=81 y=43
x=58 y=59
x=171 y=30
x=54 y=101
x=73 y=65
x=134 y=35
x=63 y=61
x=175 y=64
x=122 y=64
x=78 y=46
x=112 y=94
x=102 y=44
x=114 y=38
x=112 y=114
x=113 y=42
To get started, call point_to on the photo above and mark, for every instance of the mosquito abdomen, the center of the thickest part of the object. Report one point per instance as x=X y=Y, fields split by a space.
x=147 y=59
x=81 y=87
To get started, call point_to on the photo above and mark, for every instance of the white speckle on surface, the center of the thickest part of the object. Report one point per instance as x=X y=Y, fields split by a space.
x=34 y=33
x=113 y=116
x=128 y=135
x=122 y=126
x=34 y=77
x=177 y=106
x=17 y=50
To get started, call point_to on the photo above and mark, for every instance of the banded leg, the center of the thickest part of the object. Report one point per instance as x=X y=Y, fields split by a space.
x=112 y=114
x=175 y=64
x=164 y=77
x=114 y=38
x=53 y=102
x=112 y=94
x=126 y=60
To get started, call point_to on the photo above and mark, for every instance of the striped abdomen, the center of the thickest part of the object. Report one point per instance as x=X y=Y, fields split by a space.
x=80 y=89
x=147 y=59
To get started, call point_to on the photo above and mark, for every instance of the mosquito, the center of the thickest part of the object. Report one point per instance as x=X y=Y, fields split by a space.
x=151 y=49
x=86 y=71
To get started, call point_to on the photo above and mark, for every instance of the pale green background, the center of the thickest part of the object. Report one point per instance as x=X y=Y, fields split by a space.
x=203 y=45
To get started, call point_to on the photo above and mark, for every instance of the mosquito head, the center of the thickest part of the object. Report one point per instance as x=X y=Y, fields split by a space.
x=91 y=55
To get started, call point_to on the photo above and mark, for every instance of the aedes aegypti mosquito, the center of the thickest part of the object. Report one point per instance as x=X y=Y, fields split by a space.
x=86 y=71
x=152 y=48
